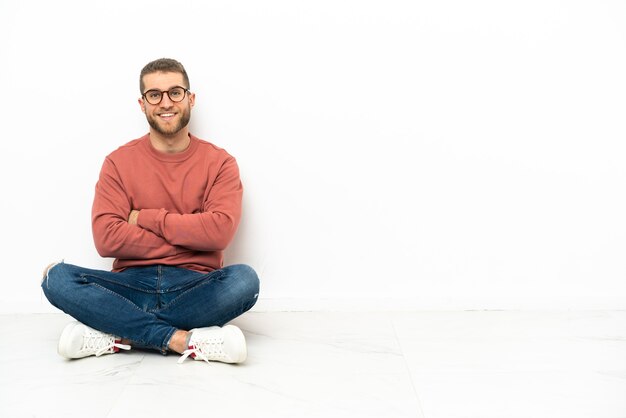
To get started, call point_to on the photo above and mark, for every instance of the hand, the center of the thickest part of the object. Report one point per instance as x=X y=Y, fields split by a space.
x=132 y=218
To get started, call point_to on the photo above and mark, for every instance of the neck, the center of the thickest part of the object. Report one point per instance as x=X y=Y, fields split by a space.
x=170 y=144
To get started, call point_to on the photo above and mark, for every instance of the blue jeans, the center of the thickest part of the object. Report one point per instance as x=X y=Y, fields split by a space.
x=146 y=305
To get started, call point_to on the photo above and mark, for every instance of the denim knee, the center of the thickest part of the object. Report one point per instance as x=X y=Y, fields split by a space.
x=61 y=281
x=246 y=279
x=244 y=283
x=52 y=281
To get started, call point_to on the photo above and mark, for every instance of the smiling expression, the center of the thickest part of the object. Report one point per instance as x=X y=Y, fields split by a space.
x=167 y=118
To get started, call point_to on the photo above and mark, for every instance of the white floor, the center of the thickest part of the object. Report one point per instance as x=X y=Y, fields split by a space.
x=384 y=365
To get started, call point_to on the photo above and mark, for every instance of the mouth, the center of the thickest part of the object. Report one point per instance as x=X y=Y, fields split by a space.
x=166 y=116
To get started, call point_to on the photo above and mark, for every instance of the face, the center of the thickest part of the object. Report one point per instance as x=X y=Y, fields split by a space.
x=167 y=118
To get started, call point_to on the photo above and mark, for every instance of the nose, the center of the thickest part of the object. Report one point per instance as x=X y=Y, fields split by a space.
x=165 y=100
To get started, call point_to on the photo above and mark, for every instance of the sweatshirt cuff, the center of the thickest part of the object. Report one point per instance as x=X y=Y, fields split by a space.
x=152 y=220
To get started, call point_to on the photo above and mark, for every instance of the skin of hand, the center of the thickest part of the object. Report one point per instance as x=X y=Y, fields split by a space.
x=132 y=218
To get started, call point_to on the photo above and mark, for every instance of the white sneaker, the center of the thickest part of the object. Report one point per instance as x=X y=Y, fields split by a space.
x=78 y=340
x=226 y=344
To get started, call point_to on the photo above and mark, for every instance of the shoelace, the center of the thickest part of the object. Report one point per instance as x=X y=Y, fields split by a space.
x=100 y=343
x=209 y=348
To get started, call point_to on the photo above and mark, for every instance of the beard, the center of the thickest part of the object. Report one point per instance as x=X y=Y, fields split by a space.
x=170 y=130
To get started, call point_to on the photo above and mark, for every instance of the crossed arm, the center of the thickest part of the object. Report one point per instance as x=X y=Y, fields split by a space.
x=122 y=231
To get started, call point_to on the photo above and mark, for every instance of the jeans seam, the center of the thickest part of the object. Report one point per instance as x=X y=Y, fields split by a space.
x=139 y=289
x=158 y=286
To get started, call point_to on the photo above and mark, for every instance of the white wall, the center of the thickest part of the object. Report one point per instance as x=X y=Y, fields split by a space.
x=395 y=154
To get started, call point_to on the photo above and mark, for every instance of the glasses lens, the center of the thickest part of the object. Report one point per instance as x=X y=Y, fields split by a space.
x=176 y=94
x=153 y=96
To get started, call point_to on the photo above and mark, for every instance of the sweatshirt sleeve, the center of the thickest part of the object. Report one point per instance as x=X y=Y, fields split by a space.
x=113 y=235
x=209 y=230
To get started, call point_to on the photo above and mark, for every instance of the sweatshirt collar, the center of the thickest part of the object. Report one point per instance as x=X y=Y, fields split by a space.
x=165 y=157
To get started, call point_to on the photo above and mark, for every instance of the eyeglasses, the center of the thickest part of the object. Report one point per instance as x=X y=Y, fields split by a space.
x=176 y=94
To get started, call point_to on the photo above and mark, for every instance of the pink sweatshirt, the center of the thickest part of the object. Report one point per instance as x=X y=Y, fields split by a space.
x=189 y=202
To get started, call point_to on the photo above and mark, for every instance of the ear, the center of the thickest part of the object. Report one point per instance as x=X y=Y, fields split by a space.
x=142 y=104
x=192 y=99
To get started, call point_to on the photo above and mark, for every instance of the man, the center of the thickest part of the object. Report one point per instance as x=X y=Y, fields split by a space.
x=166 y=206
